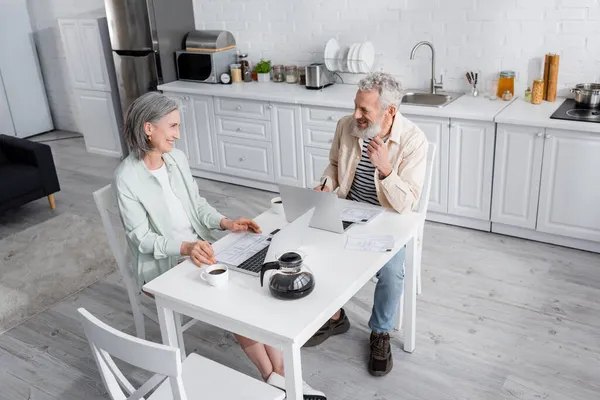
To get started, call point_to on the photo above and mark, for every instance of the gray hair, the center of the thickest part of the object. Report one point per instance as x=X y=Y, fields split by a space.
x=390 y=90
x=149 y=107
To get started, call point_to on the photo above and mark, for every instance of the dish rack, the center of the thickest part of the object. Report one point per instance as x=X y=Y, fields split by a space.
x=358 y=58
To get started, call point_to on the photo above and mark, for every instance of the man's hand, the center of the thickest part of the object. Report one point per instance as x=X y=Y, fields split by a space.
x=379 y=156
x=325 y=189
x=200 y=252
x=240 y=225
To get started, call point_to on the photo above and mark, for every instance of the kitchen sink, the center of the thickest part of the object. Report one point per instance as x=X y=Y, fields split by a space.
x=440 y=99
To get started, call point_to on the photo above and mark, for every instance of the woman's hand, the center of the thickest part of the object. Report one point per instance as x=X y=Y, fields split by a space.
x=200 y=252
x=240 y=225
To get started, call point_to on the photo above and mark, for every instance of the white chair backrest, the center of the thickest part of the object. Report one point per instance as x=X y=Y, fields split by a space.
x=424 y=199
x=107 y=342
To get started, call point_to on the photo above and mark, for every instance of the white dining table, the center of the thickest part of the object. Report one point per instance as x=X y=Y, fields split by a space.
x=245 y=308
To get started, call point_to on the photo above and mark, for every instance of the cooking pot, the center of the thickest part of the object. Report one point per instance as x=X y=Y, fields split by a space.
x=587 y=95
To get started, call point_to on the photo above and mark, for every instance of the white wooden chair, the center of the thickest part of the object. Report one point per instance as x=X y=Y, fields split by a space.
x=420 y=208
x=195 y=378
x=106 y=201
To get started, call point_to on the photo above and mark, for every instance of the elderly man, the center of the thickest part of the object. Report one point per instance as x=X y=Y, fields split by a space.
x=377 y=157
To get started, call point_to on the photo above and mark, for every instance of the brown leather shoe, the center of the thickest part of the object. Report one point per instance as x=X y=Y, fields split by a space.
x=380 y=361
x=330 y=328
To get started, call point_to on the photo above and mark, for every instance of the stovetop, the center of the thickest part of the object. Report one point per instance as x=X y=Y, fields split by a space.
x=570 y=111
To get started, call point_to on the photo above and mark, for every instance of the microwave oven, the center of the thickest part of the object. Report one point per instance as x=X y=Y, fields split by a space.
x=204 y=67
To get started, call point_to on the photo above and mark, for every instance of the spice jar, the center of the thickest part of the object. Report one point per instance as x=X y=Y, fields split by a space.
x=291 y=74
x=506 y=82
x=527 y=97
x=507 y=95
x=537 y=93
x=246 y=72
x=302 y=76
x=278 y=73
x=236 y=73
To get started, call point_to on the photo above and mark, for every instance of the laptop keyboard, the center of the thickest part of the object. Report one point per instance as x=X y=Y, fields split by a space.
x=347 y=224
x=255 y=263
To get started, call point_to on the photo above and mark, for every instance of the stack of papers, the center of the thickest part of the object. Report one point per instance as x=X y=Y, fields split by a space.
x=360 y=214
x=371 y=243
x=247 y=245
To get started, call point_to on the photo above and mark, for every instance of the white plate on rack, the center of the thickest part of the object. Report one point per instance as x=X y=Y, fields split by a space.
x=342 y=56
x=366 y=55
x=352 y=57
x=331 y=50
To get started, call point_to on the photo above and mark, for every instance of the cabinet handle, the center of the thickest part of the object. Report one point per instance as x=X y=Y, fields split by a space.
x=452 y=125
x=239 y=129
x=548 y=136
x=242 y=159
x=331 y=118
x=238 y=108
x=540 y=134
x=330 y=140
x=270 y=106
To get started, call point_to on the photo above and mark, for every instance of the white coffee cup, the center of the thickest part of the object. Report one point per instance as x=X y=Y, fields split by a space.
x=214 y=277
x=277 y=205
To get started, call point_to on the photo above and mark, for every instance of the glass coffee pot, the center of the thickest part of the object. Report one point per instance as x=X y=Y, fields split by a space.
x=291 y=278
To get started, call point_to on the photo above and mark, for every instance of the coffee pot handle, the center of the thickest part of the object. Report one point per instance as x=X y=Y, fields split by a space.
x=266 y=267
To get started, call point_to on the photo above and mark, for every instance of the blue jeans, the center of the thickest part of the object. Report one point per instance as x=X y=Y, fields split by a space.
x=389 y=288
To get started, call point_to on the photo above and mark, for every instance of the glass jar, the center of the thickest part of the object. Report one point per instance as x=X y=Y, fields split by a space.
x=246 y=72
x=506 y=82
x=278 y=73
x=527 y=97
x=537 y=93
x=291 y=74
x=302 y=76
x=236 y=73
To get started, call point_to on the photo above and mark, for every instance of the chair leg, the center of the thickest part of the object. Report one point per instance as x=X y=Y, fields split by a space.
x=179 y=330
x=418 y=258
x=52 y=201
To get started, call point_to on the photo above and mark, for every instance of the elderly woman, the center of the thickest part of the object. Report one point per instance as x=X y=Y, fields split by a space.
x=164 y=216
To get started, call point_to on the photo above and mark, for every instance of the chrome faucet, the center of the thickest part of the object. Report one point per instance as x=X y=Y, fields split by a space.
x=434 y=84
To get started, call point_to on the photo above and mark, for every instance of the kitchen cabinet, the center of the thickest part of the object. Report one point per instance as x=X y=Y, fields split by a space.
x=437 y=132
x=288 y=152
x=517 y=172
x=317 y=160
x=246 y=158
x=96 y=116
x=569 y=191
x=470 y=168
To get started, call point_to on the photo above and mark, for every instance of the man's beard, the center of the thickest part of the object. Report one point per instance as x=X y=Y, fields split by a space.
x=369 y=132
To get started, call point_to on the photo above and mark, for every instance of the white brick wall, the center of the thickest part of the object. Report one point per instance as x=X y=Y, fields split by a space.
x=44 y=15
x=484 y=35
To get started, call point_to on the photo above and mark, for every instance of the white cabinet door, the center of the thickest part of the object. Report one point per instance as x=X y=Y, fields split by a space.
x=246 y=158
x=71 y=40
x=94 y=54
x=570 y=189
x=471 y=164
x=517 y=170
x=201 y=133
x=436 y=130
x=316 y=160
x=97 y=117
x=287 y=144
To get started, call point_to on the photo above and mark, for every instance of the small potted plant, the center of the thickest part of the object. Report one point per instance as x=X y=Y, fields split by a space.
x=263 y=69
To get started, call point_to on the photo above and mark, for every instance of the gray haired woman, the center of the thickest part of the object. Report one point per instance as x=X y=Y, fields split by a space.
x=164 y=216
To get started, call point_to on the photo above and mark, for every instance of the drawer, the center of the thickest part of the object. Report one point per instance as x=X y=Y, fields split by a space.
x=316 y=136
x=244 y=128
x=323 y=115
x=242 y=108
x=246 y=158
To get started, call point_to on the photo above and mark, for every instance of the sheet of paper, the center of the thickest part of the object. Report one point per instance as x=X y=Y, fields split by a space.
x=375 y=244
x=247 y=245
x=359 y=214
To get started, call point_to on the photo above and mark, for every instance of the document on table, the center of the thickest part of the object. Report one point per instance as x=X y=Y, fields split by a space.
x=244 y=247
x=360 y=214
x=371 y=243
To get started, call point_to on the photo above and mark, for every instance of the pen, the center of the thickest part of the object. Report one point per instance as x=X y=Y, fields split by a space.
x=323 y=185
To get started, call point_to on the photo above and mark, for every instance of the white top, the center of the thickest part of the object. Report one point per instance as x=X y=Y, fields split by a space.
x=523 y=113
x=180 y=223
x=245 y=307
x=338 y=96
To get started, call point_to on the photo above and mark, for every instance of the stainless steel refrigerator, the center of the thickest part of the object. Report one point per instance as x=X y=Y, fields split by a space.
x=144 y=35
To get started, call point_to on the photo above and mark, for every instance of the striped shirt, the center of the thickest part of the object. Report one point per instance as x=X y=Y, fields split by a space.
x=363 y=186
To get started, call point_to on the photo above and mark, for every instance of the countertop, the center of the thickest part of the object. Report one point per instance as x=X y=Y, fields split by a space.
x=338 y=96
x=523 y=113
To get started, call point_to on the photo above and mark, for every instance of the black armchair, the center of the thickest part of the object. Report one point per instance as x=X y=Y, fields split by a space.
x=27 y=172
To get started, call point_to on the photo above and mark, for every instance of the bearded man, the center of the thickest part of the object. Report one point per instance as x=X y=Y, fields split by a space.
x=377 y=157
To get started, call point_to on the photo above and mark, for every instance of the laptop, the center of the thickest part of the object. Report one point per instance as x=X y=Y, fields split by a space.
x=296 y=201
